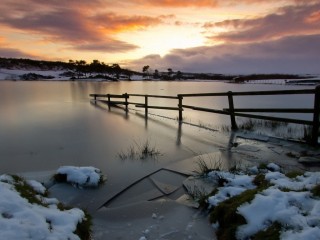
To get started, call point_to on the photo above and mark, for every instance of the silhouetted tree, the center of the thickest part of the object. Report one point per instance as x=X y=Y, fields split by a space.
x=80 y=67
x=179 y=75
x=95 y=67
x=145 y=71
x=116 y=69
x=156 y=74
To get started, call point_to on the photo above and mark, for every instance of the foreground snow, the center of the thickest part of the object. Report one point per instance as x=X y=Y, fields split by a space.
x=287 y=201
x=21 y=219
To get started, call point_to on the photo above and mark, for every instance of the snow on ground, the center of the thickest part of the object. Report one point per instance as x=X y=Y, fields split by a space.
x=21 y=219
x=234 y=185
x=14 y=74
x=287 y=201
x=81 y=176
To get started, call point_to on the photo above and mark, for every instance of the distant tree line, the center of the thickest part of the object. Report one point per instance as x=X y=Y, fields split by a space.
x=97 y=69
x=169 y=75
x=76 y=69
x=13 y=63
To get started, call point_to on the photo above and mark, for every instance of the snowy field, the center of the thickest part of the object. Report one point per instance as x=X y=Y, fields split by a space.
x=55 y=75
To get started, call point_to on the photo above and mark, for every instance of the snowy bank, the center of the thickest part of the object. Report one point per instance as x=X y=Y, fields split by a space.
x=288 y=205
x=26 y=212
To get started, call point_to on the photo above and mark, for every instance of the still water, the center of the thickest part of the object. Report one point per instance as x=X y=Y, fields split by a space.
x=44 y=125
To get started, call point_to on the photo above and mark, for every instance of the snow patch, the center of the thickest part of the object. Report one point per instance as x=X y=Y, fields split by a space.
x=234 y=185
x=295 y=208
x=38 y=187
x=23 y=220
x=81 y=176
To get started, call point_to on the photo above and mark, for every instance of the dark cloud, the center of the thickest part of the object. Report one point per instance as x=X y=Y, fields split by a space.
x=14 y=53
x=290 y=20
x=295 y=54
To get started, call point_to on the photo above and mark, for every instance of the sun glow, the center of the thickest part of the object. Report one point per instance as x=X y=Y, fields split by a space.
x=162 y=40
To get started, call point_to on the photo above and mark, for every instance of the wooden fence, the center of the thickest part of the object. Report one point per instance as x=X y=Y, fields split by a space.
x=231 y=111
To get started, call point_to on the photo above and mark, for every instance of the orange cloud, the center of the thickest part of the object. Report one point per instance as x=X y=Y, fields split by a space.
x=73 y=23
x=2 y=40
x=314 y=17
x=210 y=3
x=177 y=3
x=112 y=22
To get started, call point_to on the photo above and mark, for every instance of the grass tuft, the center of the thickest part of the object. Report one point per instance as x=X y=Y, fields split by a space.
x=26 y=191
x=316 y=191
x=248 y=125
x=84 y=228
x=140 y=151
x=227 y=217
x=276 y=128
x=200 y=195
x=294 y=174
x=271 y=233
x=260 y=181
x=204 y=167
x=263 y=166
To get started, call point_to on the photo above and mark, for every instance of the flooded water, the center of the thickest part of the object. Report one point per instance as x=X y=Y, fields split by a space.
x=44 y=125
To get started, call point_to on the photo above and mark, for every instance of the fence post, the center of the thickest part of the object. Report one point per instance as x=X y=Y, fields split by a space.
x=180 y=107
x=231 y=112
x=146 y=105
x=315 y=125
x=108 y=100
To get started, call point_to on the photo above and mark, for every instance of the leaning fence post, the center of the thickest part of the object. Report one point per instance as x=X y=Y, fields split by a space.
x=180 y=107
x=315 y=125
x=146 y=105
x=231 y=112
x=126 y=100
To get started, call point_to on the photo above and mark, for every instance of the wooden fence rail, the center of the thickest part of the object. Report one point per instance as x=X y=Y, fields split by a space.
x=231 y=111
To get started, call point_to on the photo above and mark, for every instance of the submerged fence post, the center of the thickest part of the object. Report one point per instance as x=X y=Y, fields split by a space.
x=180 y=107
x=231 y=112
x=146 y=106
x=126 y=101
x=315 y=125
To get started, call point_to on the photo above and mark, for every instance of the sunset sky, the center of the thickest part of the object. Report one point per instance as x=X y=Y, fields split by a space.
x=220 y=36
